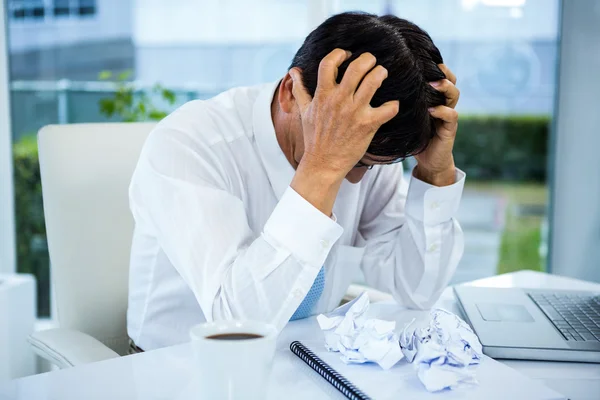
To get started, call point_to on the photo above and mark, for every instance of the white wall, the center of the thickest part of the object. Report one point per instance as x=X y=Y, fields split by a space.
x=575 y=233
x=113 y=19
x=7 y=215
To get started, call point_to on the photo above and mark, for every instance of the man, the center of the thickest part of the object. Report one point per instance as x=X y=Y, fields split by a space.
x=265 y=202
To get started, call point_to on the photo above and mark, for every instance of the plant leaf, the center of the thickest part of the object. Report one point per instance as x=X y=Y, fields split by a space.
x=107 y=107
x=105 y=75
x=156 y=115
x=169 y=96
x=125 y=75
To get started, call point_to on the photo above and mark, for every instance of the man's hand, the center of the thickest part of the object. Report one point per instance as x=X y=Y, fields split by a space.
x=436 y=164
x=338 y=124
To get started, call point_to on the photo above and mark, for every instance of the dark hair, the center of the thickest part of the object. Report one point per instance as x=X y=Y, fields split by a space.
x=409 y=55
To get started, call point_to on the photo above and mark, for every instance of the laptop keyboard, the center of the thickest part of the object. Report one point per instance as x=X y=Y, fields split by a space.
x=576 y=316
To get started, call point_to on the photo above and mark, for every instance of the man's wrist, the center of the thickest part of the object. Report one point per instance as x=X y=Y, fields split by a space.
x=324 y=173
x=325 y=168
x=444 y=177
x=319 y=186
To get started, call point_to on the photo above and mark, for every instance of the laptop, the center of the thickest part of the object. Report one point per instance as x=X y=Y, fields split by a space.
x=534 y=324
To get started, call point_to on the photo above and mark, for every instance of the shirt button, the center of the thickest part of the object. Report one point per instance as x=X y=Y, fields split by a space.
x=433 y=247
x=434 y=205
x=297 y=293
x=324 y=244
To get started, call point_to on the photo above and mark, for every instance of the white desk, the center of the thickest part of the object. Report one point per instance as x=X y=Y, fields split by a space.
x=167 y=373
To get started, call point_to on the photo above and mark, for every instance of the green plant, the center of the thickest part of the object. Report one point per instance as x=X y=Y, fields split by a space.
x=519 y=248
x=521 y=236
x=511 y=148
x=132 y=104
x=32 y=250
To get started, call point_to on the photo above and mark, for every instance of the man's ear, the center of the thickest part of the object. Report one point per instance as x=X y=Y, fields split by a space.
x=285 y=95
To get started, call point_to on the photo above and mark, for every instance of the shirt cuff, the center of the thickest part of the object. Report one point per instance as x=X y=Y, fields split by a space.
x=302 y=229
x=434 y=205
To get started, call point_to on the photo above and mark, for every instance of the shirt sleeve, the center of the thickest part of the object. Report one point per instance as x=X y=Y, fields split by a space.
x=413 y=242
x=179 y=190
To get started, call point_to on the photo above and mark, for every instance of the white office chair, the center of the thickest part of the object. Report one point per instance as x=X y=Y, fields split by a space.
x=85 y=170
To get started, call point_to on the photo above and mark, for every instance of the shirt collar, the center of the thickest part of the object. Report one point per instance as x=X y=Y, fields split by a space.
x=278 y=168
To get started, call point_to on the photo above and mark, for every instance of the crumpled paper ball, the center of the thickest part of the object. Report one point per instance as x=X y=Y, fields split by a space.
x=358 y=339
x=445 y=353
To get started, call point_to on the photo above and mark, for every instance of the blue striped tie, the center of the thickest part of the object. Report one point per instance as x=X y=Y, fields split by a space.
x=305 y=308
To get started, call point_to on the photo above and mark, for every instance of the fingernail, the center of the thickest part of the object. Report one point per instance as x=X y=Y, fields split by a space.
x=435 y=84
x=431 y=109
x=348 y=53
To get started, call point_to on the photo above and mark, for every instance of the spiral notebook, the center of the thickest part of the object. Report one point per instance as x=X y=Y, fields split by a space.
x=369 y=381
x=325 y=370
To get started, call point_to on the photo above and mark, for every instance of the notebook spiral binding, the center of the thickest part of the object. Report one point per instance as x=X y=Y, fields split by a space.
x=331 y=375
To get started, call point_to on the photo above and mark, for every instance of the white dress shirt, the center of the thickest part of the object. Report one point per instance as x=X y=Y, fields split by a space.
x=219 y=234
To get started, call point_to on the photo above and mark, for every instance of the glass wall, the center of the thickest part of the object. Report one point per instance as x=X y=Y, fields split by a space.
x=504 y=53
x=88 y=61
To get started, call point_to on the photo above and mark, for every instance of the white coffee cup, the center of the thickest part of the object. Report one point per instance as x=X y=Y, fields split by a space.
x=230 y=368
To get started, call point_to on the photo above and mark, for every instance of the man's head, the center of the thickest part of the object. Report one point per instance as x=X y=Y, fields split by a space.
x=410 y=57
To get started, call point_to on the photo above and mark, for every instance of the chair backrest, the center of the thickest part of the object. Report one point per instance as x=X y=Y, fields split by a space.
x=85 y=170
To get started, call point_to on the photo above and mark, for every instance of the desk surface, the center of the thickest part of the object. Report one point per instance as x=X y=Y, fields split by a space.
x=165 y=373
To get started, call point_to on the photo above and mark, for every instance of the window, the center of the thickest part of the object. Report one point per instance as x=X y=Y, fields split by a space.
x=74 y=7
x=504 y=54
x=39 y=9
x=62 y=7
x=86 y=7
x=26 y=9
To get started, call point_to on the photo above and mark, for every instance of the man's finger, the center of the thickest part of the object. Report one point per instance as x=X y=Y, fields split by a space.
x=370 y=84
x=356 y=71
x=328 y=68
x=449 y=119
x=450 y=91
x=385 y=112
x=298 y=90
x=449 y=74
